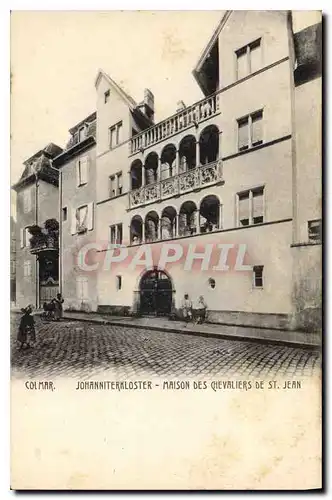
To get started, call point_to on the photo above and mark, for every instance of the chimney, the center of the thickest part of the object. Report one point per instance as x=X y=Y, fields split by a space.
x=148 y=103
x=180 y=106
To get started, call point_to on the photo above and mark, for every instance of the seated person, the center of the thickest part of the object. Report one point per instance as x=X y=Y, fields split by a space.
x=199 y=311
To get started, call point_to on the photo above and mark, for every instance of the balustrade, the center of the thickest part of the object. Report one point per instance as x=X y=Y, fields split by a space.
x=195 y=178
x=183 y=119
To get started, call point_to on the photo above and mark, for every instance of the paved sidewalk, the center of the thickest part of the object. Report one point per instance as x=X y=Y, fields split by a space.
x=207 y=329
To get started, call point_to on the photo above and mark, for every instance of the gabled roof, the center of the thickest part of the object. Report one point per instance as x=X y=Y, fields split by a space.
x=40 y=162
x=124 y=96
x=212 y=41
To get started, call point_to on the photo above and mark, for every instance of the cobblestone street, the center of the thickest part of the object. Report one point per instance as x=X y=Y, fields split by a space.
x=84 y=349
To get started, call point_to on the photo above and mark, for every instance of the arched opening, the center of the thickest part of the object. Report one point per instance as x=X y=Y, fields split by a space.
x=168 y=159
x=168 y=223
x=209 y=145
x=209 y=214
x=151 y=168
x=187 y=152
x=136 y=174
x=156 y=292
x=188 y=219
x=151 y=227
x=136 y=230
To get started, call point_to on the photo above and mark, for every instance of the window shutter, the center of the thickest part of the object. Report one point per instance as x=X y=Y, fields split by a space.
x=90 y=216
x=22 y=238
x=243 y=207
x=257 y=201
x=73 y=221
x=78 y=177
x=257 y=128
x=243 y=133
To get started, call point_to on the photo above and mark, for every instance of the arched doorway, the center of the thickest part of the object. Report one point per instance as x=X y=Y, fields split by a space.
x=155 y=293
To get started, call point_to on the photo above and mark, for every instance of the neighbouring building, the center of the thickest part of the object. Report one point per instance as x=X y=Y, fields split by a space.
x=307 y=177
x=77 y=166
x=37 y=252
x=12 y=260
x=241 y=167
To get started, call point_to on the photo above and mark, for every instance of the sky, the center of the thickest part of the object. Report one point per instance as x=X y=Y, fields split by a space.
x=55 y=57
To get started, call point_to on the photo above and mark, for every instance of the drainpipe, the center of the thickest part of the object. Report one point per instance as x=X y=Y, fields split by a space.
x=60 y=231
x=37 y=260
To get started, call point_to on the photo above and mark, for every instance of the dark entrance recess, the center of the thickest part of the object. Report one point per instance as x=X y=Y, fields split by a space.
x=155 y=293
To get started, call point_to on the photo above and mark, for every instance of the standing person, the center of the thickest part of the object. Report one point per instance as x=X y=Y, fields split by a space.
x=186 y=307
x=26 y=331
x=58 y=307
x=200 y=310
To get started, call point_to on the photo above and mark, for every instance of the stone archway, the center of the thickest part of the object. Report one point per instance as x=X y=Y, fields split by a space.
x=155 y=293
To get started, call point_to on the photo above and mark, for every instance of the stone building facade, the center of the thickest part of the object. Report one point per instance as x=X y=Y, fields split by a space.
x=225 y=174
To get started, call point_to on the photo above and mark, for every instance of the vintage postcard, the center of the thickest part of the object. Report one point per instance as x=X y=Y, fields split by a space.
x=166 y=250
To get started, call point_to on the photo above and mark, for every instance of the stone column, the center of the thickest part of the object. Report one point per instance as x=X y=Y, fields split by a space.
x=177 y=162
x=197 y=153
x=197 y=222
x=220 y=225
x=143 y=170
x=159 y=169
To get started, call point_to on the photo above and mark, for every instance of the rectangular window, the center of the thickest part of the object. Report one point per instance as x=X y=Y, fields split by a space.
x=112 y=235
x=243 y=134
x=250 y=130
x=116 y=234
x=106 y=96
x=118 y=282
x=115 y=135
x=82 y=219
x=119 y=133
x=82 y=170
x=82 y=288
x=243 y=203
x=258 y=205
x=25 y=237
x=119 y=234
x=258 y=276
x=242 y=63
x=27 y=268
x=112 y=186
x=255 y=56
x=119 y=183
x=249 y=59
x=115 y=185
x=250 y=207
x=315 y=231
x=64 y=214
x=27 y=200
x=257 y=128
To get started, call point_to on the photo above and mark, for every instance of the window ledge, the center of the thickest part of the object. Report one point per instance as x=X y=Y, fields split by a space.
x=306 y=244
